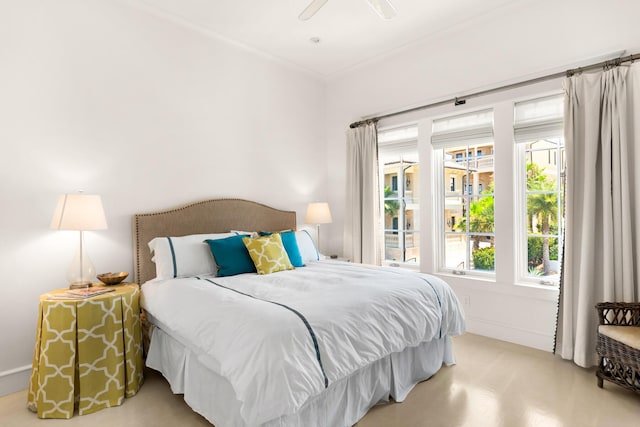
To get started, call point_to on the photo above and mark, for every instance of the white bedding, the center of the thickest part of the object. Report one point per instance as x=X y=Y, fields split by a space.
x=280 y=339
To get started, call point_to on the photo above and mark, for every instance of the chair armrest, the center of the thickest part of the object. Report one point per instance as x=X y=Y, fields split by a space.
x=619 y=313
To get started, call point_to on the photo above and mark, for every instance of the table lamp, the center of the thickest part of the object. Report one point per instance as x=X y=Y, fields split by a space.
x=79 y=212
x=318 y=213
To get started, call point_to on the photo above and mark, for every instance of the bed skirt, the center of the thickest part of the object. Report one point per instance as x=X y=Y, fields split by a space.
x=342 y=404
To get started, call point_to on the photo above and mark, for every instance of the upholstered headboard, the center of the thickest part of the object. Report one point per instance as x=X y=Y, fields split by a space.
x=208 y=216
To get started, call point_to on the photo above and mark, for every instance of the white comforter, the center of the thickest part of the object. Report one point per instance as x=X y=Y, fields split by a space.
x=267 y=351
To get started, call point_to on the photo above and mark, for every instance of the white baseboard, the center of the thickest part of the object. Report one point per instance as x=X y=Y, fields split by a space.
x=14 y=380
x=506 y=332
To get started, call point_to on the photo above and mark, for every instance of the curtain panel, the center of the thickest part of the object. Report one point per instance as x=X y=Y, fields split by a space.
x=362 y=208
x=601 y=260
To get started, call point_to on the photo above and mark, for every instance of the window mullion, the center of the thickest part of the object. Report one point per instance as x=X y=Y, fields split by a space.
x=401 y=211
x=504 y=193
x=467 y=206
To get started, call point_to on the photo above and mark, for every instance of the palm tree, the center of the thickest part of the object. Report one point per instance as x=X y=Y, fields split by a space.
x=481 y=218
x=543 y=206
x=390 y=206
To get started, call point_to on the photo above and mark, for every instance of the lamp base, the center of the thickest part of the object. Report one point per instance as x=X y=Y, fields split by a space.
x=81 y=272
x=80 y=285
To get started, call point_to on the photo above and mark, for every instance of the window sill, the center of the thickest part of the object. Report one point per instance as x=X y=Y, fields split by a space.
x=537 y=285
x=487 y=277
x=472 y=284
x=404 y=265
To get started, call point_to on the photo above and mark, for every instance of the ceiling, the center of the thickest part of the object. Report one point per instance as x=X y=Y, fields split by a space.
x=350 y=32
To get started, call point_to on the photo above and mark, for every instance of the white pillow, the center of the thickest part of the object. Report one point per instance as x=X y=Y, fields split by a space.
x=184 y=256
x=252 y=234
x=308 y=250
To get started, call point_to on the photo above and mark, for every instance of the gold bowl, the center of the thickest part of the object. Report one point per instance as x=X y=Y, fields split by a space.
x=112 y=278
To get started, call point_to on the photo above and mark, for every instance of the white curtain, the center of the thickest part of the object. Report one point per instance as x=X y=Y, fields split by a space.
x=601 y=261
x=362 y=213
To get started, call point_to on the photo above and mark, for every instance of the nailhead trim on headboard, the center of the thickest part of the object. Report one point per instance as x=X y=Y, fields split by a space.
x=207 y=216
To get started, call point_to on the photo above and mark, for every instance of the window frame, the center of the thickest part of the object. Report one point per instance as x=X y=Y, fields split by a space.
x=408 y=144
x=438 y=180
x=522 y=233
x=438 y=163
x=544 y=127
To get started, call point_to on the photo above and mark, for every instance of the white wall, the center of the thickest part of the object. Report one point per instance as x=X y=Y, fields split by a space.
x=106 y=97
x=525 y=39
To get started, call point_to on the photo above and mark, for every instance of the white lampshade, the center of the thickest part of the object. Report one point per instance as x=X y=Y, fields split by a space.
x=79 y=212
x=318 y=213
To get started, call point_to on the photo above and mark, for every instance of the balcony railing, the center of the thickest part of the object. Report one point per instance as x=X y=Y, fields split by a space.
x=409 y=198
x=392 y=239
x=475 y=163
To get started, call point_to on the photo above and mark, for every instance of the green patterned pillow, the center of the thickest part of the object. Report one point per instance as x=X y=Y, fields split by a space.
x=268 y=254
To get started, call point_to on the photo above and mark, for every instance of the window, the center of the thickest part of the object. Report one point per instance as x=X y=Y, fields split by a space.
x=466 y=226
x=540 y=150
x=398 y=157
x=452 y=183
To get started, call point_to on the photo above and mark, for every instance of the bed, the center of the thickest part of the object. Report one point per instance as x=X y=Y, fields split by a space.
x=317 y=345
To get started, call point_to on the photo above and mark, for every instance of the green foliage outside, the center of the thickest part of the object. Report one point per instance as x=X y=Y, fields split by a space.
x=543 y=207
x=484 y=258
x=534 y=249
x=390 y=206
x=481 y=218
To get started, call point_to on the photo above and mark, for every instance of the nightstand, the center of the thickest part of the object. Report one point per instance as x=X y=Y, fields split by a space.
x=88 y=352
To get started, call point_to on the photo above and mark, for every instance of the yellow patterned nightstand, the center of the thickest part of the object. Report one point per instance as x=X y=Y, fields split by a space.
x=88 y=353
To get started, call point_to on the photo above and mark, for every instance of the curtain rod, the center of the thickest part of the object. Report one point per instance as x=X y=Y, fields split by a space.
x=461 y=100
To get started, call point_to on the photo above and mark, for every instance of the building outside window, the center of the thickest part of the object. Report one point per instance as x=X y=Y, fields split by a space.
x=399 y=170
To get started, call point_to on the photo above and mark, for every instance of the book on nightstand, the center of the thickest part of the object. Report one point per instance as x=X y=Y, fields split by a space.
x=81 y=293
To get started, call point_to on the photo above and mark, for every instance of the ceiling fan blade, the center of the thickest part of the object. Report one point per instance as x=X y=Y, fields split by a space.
x=384 y=8
x=311 y=10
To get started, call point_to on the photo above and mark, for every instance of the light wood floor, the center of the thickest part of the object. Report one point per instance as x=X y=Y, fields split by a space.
x=493 y=384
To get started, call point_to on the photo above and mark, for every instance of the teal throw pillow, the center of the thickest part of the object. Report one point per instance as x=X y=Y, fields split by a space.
x=231 y=255
x=290 y=244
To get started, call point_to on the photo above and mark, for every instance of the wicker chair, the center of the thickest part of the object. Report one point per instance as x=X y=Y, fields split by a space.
x=619 y=344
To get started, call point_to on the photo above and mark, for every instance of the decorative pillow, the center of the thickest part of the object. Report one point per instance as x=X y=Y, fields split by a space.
x=308 y=251
x=183 y=256
x=290 y=245
x=268 y=254
x=231 y=256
